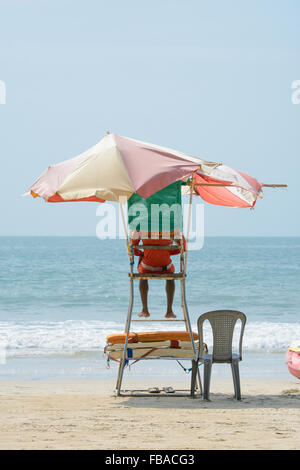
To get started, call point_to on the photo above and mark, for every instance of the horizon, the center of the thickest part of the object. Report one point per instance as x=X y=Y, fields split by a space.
x=95 y=236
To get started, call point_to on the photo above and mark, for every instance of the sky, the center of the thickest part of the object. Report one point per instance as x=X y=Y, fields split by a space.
x=212 y=79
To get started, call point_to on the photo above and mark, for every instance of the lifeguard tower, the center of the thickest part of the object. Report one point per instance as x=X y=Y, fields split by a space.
x=158 y=217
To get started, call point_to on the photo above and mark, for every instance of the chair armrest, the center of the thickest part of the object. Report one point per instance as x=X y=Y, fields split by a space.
x=236 y=357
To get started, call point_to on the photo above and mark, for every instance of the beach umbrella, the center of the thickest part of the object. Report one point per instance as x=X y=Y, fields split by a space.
x=120 y=166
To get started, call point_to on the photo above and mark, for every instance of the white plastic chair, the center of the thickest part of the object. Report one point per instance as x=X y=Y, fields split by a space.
x=223 y=323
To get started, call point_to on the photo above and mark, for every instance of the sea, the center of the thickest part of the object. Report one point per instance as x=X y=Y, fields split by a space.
x=61 y=296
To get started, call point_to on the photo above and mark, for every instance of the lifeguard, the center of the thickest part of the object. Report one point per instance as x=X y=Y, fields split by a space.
x=156 y=261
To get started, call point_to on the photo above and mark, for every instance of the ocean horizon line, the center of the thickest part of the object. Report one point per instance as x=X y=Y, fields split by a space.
x=95 y=236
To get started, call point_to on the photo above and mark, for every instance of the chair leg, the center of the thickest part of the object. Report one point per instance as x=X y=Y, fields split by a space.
x=236 y=379
x=194 y=375
x=199 y=381
x=207 y=375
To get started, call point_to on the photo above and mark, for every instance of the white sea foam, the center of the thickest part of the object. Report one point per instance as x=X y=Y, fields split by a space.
x=74 y=337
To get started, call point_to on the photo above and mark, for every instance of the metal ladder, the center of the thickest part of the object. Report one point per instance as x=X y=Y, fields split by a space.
x=137 y=276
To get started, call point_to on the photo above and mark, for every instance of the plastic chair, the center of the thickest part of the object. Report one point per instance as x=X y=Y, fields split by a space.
x=223 y=323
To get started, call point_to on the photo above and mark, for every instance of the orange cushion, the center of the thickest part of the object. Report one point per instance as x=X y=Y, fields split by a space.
x=150 y=336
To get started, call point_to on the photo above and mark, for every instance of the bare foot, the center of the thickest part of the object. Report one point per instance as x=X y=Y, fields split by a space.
x=144 y=314
x=170 y=315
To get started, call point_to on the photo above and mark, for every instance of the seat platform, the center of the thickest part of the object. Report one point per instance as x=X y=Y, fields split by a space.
x=157 y=276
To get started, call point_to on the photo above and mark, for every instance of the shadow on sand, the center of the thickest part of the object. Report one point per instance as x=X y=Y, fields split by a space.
x=289 y=399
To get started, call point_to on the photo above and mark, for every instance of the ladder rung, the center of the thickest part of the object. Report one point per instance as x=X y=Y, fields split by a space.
x=157 y=276
x=158 y=320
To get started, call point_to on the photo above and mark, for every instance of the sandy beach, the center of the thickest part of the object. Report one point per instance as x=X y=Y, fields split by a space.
x=87 y=415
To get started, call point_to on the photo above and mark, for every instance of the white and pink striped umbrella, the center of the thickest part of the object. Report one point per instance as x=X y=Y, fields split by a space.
x=119 y=166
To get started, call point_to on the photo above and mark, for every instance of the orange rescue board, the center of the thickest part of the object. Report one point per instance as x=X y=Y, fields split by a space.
x=150 y=336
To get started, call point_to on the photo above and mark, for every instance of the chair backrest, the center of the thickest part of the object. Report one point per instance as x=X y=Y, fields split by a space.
x=175 y=242
x=222 y=323
x=160 y=212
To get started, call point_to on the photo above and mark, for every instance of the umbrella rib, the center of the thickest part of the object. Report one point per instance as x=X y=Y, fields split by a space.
x=233 y=184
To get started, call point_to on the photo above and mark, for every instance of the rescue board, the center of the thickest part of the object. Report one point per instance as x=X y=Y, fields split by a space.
x=149 y=336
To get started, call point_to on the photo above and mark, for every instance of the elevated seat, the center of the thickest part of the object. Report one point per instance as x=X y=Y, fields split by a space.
x=157 y=276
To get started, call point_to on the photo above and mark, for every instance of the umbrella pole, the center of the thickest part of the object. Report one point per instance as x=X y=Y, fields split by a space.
x=129 y=252
x=129 y=313
x=188 y=226
x=183 y=294
x=127 y=330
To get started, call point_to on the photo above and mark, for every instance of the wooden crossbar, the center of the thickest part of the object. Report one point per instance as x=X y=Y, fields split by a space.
x=156 y=276
x=159 y=321
x=156 y=247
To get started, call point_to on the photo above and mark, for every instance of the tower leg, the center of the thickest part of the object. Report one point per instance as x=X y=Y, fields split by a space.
x=189 y=329
x=127 y=330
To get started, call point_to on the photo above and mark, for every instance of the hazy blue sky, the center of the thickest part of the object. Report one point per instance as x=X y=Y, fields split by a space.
x=212 y=79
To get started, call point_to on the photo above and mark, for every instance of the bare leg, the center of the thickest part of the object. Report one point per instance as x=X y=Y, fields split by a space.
x=144 y=288
x=170 y=290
